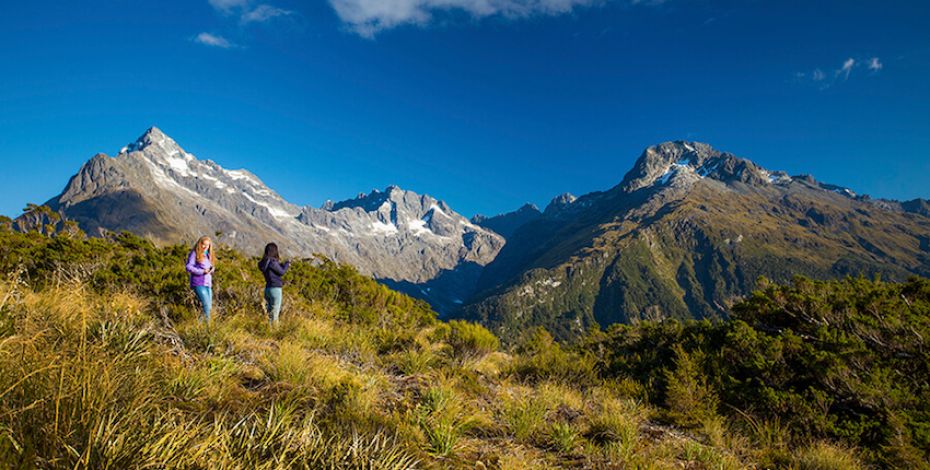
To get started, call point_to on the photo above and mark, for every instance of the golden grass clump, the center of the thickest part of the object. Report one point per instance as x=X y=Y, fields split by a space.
x=826 y=456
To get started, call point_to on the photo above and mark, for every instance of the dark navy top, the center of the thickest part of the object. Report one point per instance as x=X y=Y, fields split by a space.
x=273 y=270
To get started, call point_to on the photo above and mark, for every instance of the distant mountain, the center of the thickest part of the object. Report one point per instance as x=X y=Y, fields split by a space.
x=506 y=224
x=156 y=189
x=688 y=230
x=559 y=203
x=917 y=206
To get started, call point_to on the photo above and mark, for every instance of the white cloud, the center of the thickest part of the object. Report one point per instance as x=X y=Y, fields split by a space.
x=263 y=13
x=841 y=74
x=213 y=40
x=368 y=17
x=846 y=69
x=248 y=14
x=228 y=5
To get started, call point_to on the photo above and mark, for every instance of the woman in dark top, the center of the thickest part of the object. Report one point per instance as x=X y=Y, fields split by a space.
x=272 y=269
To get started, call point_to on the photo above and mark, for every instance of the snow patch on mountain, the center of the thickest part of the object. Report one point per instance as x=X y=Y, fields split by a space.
x=418 y=227
x=383 y=229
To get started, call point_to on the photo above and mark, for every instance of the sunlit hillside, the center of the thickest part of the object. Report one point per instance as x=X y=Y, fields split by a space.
x=103 y=364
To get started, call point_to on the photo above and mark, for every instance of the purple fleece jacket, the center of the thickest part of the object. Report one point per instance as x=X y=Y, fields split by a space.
x=198 y=271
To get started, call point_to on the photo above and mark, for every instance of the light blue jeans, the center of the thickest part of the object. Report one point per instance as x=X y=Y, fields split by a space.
x=205 y=295
x=273 y=297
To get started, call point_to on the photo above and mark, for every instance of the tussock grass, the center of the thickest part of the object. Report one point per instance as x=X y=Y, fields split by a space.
x=826 y=456
x=523 y=418
x=563 y=437
x=86 y=382
x=109 y=367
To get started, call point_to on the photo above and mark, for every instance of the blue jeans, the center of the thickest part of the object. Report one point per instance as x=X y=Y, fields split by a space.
x=273 y=298
x=205 y=295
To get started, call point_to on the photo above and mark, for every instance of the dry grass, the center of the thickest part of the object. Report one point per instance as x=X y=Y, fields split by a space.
x=826 y=456
x=88 y=380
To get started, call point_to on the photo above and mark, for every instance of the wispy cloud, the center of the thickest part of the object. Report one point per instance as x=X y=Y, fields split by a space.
x=846 y=69
x=213 y=40
x=228 y=5
x=247 y=11
x=841 y=74
x=368 y=17
x=263 y=13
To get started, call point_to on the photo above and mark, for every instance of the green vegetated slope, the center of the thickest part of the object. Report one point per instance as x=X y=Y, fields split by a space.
x=845 y=359
x=104 y=365
x=656 y=254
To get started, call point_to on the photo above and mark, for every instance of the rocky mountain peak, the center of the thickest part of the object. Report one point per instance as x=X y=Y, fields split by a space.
x=658 y=161
x=526 y=208
x=681 y=163
x=506 y=224
x=559 y=202
x=394 y=195
x=153 y=140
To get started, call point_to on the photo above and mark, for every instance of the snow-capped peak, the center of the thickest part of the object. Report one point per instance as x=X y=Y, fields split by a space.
x=152 y=137
x=174 y=169
x=680 y=163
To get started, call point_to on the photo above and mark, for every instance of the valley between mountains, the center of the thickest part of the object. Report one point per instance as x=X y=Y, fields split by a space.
x=687 y=231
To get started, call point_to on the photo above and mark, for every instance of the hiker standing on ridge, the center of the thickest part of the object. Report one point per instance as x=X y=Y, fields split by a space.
x=201 y=263
x=272 y=269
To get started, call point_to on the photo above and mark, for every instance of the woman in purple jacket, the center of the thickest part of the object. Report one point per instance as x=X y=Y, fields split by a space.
x=272 y=269
x=200 y=264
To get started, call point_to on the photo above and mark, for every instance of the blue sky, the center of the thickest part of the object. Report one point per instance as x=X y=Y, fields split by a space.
x=483 y=103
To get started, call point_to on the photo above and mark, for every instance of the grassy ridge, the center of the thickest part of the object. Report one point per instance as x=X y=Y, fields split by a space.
x=104 y=365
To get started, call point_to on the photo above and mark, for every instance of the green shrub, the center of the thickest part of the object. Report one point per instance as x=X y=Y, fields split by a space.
x=541 y=358
x=688 y=398
x=470 y=339
x=844 y=361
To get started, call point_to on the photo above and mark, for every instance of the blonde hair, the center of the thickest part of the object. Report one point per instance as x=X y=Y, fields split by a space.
x=198 y=250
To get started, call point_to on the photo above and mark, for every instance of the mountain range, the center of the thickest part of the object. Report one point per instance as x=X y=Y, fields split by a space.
x=156 y=189
x=685 y=232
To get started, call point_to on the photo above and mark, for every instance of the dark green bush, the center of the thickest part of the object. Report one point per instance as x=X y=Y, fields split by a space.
x=844 y=360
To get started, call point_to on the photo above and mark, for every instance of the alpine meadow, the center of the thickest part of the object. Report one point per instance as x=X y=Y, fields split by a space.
x=603 y=234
